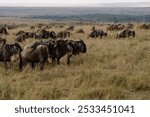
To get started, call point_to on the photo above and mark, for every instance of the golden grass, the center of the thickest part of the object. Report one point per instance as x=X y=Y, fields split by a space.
x=111 y=69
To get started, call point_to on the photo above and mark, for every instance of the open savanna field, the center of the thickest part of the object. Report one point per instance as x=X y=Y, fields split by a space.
x=110 y=69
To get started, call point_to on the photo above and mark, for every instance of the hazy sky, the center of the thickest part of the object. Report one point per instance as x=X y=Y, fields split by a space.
x=60 y=2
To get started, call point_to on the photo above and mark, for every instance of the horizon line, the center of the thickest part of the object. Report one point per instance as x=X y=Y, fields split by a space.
x=138 y=4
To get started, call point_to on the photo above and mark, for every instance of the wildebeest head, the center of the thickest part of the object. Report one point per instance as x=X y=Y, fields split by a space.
x=52 y=35
x=82 y=46
x=3 y=30
x=61 y=44
x=2 y=41
x=16 y=48
x=105 y=34
x=131 y=33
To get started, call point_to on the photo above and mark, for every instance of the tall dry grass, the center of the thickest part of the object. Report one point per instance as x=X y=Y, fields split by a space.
x=111 y=69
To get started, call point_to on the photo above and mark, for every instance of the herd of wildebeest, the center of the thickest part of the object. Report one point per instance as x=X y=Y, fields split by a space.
x=56 y=45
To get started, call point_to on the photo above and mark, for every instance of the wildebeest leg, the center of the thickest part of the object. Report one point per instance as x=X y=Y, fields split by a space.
x=33 y=65
x=58 y=61
x=21 y=62
x=68 y=58
x=41 y=65
x=117 y=36
x=53 y=61
x=94 y=36
x=6 y=64
x=10 y=64
x=100 y=36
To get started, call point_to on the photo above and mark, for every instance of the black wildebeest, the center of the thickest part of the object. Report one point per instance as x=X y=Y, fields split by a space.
x=21 y=38
x=3 y=30
x=75 y=47
x=32 y=27
x=61 y=47
x=113 y=27
x=2 y=41
x=80 y=31
x=43 y=34
x=145 y=26
x=125 y=33
x=97 y=33
x=63 y=34
x=71 y=28
x=130 y=26
x=33 y=55
x=7 y=51
x=93 y=28
x=20 y=32
x=52 y=35
x=32 y=35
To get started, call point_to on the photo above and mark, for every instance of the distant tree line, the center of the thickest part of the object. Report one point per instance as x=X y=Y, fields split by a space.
x=96 y=17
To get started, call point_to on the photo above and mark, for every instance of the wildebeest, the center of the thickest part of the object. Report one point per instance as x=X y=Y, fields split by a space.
x=40 y=25
x=116 y=27
x=7 y=51
x=21 y=38
x=34 y=55
x=12 y=26
x=97 y=33
x=3 y=30
x=62 y=47
x=32 y=27
x=145 y=26
x=93 y=28
x=52 y=35
x=20 y=32
x=80 y=31
x=43 y=34
x=71 y=28
x=63 y=34
x=2 y=41
x=61 y=26
x=125 y=33
x=120 y=27
x=130 y=26
x=32 y=35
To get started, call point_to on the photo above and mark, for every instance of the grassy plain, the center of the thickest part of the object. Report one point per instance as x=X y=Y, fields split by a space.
x=111 y=69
